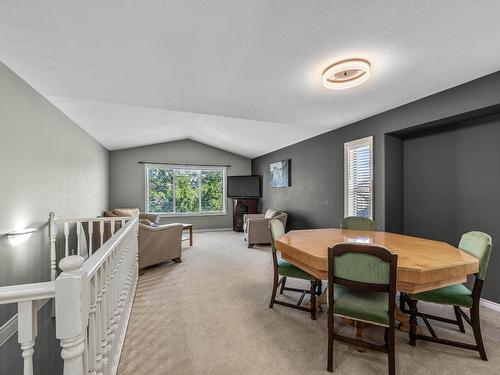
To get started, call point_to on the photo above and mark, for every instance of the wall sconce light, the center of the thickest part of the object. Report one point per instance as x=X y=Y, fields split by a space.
x=21 y=231
x=17 y=237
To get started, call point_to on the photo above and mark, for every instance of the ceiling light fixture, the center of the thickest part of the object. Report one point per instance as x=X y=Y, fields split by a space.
x=346 y=74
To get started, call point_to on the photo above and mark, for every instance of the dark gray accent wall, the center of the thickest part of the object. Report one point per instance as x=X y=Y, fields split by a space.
x=127 y=176
x=315 y=198
x=452 y=186
x=47 y=163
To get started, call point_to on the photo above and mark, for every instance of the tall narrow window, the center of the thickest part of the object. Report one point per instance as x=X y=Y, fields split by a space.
x=358 y=178
x=180 y=190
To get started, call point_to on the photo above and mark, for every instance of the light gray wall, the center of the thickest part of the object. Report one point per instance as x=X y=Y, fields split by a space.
x=47 y=163
x=127 y=175
x=452 y=186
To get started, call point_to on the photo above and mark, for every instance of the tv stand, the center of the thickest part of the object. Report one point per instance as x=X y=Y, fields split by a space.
x=241 y=207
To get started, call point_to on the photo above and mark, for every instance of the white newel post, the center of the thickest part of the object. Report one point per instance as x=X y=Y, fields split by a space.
x=72 y=313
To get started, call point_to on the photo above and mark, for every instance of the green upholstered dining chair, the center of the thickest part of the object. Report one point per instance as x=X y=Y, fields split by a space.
x=362 y=286
x=357 y=223
x=284 y=269
x=459 y=296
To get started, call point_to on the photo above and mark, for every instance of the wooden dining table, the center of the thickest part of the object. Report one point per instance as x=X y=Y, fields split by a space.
x=423 y=264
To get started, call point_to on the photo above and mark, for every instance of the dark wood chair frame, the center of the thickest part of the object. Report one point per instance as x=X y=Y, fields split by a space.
x=473 y=320
x=314 y=290
x=389 y=336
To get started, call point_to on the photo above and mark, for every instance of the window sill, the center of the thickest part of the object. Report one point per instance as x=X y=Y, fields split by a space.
x=189 y=214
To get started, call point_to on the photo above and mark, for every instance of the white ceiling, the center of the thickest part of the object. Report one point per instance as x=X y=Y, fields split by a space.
x=241 y=75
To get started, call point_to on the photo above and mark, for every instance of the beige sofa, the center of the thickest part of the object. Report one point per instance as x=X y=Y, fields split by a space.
x=256 y=227
x=157 y=243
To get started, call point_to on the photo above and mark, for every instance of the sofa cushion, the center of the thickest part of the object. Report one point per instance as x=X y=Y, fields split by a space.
x=270 y=213
x=129 y=212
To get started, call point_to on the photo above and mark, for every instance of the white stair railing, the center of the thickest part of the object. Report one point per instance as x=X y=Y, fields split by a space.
x=93 y=298
x=26 y=297
x=78 y=223
x=93 y=303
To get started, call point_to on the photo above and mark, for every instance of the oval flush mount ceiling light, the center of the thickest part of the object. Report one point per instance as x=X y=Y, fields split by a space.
x=346 y=74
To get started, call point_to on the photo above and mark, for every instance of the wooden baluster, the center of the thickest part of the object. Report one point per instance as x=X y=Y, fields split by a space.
x=92 y=327
x=104 y=318
x=72 y=313
x=78 y=226
x=101 y=231
x=91 y=230
x=53 y=254
x=27 y=331
x=112 y=226
x=52 y=238
x=66 y=239
x=113 y=311
x=98 y=326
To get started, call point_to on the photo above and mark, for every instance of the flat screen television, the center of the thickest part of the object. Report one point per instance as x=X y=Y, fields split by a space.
x=243 y=186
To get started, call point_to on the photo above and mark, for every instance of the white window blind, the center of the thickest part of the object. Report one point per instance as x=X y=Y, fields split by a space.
x=358 y=178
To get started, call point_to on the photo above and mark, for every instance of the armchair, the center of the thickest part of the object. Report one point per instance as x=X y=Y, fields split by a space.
x=157 y=243
x=256 y=226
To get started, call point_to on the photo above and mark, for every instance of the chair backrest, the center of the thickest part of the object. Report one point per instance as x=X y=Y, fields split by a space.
x=277 y=229
x=477 y=244
x=357 y=223
x=363 y=267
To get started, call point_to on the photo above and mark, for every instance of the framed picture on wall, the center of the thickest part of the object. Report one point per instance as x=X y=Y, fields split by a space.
x=280 y=173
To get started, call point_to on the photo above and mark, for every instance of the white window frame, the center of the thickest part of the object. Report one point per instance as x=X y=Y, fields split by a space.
x=347 y=146
x=186 y=214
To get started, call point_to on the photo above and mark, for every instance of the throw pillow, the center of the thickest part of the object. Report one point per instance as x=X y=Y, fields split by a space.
x=270 y=213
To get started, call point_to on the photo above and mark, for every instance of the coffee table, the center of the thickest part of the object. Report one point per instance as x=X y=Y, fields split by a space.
x=189 y=235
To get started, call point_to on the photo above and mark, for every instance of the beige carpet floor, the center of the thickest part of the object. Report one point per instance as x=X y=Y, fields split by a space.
x=209 y=315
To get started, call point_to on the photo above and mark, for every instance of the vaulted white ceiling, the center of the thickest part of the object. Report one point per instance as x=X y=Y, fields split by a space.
x=241 y=75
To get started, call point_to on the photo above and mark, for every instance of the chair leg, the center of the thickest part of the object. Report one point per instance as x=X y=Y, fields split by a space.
x=460 y=321
x=329 y=365
x=314 y=285
x=413 y=321
x=391 y=350
x=476 y=328
x=283 y=285
x=402 y=302
x=275 y=288
x=320 y=288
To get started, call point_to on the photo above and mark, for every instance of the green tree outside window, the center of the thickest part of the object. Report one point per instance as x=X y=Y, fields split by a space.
x=183 y=190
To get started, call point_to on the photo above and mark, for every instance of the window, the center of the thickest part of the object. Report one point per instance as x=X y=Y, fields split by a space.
x=182 y=190
x=358 y=178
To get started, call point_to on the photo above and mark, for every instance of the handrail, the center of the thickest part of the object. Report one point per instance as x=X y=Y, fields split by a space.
x=95 y=261
x=93 y=298
x=93 y=219
x=27 y=292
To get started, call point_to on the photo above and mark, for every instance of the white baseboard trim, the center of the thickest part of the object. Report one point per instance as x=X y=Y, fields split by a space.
x=212 y=230
x=10 y=326
x=490 y=305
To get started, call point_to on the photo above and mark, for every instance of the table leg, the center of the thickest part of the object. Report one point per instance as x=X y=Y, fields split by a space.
x=190 y=236
x=404 y=322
